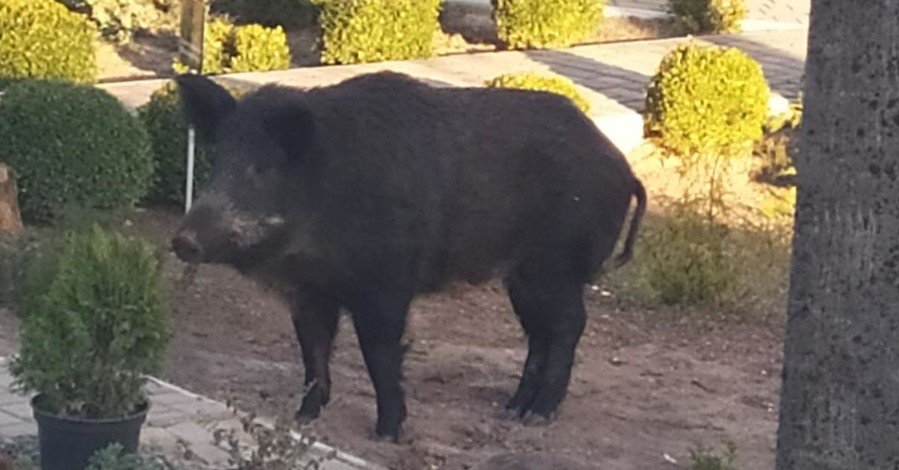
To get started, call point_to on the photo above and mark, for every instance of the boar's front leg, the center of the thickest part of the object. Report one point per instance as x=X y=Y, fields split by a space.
x=315 y=320
x=380 y=326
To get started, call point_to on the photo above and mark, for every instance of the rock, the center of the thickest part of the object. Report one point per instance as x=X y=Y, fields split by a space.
x=10 y=219
x=530 y=461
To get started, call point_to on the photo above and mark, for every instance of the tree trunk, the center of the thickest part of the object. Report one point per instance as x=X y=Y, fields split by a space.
x=10 y=220
x=840 y=396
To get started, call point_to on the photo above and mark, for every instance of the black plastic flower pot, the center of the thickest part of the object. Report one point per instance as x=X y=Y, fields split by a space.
x=68 y=443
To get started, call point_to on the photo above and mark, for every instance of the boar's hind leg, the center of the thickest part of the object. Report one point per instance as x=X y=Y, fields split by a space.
x=380 y=327
x=315 y=320
x=551 y=310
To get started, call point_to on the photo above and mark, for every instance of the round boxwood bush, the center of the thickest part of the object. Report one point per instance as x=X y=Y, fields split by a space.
x=359 y=31
x=534 y=81
x=43 y=39
x=72 y=145
x=709 y=16
x=522 y=24
x=165 y=124
x=707 y=99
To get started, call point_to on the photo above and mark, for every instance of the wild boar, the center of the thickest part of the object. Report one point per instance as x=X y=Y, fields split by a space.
x=364 y=194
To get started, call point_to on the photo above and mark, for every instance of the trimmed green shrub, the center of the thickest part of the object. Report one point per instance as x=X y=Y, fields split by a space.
x=42 y=39
x=167 y=128
x=709 y=16
x=523 y=24
x=534 y=81
x=259 y=49
x=358 y=31
x=97 y=326
x=707 y=99
x=250 y=48
x=72 y=145
x=118 y=20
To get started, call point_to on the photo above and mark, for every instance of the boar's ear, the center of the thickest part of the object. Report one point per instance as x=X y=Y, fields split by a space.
x=292 y=127
x=204 y=102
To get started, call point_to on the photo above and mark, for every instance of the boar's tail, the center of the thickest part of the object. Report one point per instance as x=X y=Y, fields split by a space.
x=628 y=251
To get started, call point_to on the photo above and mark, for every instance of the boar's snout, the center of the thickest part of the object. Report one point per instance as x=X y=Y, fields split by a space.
x=186 y=247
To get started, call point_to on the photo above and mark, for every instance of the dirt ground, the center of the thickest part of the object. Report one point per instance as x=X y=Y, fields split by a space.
x=644 y=390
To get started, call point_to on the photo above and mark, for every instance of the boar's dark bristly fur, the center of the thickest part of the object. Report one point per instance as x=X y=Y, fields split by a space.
x=361 y=195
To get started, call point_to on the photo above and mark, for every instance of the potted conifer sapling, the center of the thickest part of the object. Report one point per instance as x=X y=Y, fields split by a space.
x=94 y=324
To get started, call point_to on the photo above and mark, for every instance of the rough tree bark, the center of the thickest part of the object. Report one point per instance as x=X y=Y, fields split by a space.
x=10 y=220
x=840 y=396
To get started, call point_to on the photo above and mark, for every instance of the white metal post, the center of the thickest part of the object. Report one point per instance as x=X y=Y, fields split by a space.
x=191 y=148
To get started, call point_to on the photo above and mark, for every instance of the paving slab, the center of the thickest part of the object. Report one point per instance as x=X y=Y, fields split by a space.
x=178 y=421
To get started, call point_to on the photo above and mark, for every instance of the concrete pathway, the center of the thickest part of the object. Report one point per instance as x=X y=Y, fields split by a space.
x=177 y=418
x=613 y=77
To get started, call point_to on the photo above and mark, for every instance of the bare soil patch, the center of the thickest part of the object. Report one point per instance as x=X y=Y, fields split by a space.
x=643 y=387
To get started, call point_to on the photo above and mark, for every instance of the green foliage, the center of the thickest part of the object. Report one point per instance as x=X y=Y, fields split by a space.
x=709 y=16
x=775 y=151
x=164 y=120
x=15 y=250
x=359 y=31
x=42 y=39
x=687 y=259
x=114 y=457
x=257 y=48
x=251 y=48
x=523 y=24
x=273 y=447
x=703 y=459
x=118 y=20
x=96 y=323
x=707 y=100
x=551 y=83
x=72 y=144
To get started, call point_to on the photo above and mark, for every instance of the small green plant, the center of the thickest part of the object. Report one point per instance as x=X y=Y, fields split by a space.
x=704 y=459
x=359 y=31
x=113 y=457
x=118 y=20
x=551 y=83
x=524 y=24
x=249 y=48
x=42 y=39
x=707 y=100
x=95 y=324
x=709 y=16
x=275 y=447
x=72 y=144
x=687 y=260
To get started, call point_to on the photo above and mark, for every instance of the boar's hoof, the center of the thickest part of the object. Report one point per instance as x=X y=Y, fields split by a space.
x=535 y=419
x=304 y=416
x=389 y=434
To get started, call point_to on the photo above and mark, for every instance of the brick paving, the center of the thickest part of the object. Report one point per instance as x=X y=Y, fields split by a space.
x=177 y=417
